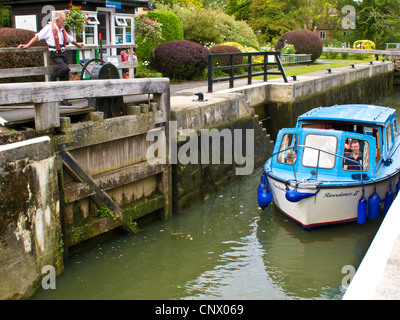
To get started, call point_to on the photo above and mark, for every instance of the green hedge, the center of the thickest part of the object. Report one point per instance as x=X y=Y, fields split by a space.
x=12 y=37
x=171 y=30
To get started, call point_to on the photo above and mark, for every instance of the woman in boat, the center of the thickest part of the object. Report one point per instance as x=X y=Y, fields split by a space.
x=291 y=157
x=355 y=154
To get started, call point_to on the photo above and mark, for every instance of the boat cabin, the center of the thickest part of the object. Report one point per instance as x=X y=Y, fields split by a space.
x=351 y=139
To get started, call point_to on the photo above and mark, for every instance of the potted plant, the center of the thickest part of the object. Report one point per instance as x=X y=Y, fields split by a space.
x=75 y=19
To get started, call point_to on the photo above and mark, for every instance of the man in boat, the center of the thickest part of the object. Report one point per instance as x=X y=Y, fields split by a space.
x=57 y=39
x=355 y=154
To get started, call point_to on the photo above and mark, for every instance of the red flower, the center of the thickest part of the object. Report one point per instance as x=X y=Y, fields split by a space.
x=79 y=7
x=70 y=4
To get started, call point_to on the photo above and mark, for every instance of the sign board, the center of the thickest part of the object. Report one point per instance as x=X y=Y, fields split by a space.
x=27 y=22
x=113 y=4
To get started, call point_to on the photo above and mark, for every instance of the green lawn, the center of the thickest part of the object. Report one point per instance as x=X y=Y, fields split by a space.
x=302 y=69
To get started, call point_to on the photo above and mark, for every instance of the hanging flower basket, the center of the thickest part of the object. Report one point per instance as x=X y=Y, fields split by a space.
x=75 y=19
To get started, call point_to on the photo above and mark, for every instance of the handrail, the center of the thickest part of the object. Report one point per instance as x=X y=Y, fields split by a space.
x=319 y=152
x=231 y=67
x=45 y=96
x=48 y=68
x=295 y=58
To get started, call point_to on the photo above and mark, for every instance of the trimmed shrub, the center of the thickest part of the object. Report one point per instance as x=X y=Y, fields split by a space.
x=12 y=37
x=180 y=59
x=171 y=30
x=234 y=44
x=304 y=41
x=207 y=26
x=224 y=61
x=364 y=44
x=171 y=25
x=200 y=25
x=236 y=31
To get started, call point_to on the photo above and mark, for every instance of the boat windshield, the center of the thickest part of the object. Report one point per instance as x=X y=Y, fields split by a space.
x=321 y=152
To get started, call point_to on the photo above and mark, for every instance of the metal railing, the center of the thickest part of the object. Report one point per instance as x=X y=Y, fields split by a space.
x=295 y=58
x=267 y=58
x=362 y=176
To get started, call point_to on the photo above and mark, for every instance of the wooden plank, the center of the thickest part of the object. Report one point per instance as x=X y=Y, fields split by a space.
x=46 y=70
x=106 y=200
x=41 y=92
x=110 y=180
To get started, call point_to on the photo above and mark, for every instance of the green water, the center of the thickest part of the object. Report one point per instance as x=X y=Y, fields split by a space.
x=224 y=248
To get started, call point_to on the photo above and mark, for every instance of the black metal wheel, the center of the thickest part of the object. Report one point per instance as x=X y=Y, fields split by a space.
x=84 y=67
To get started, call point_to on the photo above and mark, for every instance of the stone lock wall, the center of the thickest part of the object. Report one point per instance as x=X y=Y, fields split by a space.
x=30 y=232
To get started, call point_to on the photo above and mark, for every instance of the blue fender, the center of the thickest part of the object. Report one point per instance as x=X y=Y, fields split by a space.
x=374 y=206
x=362 y=211
x=264 y=194
x=295 y=196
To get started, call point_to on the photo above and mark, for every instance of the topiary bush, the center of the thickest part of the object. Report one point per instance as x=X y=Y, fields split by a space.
x=12 y=37
x=304 y=41
x=172 y=26
x=180 y=59
x=171 y=30
x=364 y=44
x=224 y=61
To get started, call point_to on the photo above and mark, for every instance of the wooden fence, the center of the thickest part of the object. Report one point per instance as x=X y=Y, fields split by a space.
x=48 y=66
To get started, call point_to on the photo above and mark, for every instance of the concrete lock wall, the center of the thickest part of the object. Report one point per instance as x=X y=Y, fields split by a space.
x=205 y=164
x=30 y=232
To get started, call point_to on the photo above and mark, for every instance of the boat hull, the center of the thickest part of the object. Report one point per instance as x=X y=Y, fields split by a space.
x=329 y=206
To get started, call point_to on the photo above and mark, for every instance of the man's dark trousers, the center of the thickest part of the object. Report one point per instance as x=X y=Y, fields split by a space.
x=62 y=70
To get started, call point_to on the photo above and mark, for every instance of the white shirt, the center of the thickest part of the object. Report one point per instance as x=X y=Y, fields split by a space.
x=47 y=34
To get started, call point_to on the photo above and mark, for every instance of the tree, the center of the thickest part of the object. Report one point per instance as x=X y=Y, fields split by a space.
x=240 y=9
x=378 y=21
x=269 y=19
x=179 y=3
x=312 y=13
x=5 y=17
x=272 y=18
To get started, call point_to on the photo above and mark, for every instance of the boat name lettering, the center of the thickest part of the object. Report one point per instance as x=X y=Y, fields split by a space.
x=342 y=194
x=278 y=187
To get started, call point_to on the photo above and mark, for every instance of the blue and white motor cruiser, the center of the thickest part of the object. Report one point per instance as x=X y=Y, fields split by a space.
x=339 y=164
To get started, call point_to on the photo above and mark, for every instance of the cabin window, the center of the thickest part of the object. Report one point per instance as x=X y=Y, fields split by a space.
x=288 y=149
x=374 y=132
x=356 y=155
x=320 y=151
x=394 y=128
x=389 y=139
